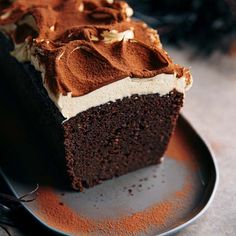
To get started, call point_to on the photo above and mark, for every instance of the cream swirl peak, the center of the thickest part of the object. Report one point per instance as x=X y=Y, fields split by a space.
x=85 y=45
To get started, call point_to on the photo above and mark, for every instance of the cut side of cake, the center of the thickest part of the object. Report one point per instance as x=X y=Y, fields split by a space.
x=101 y=79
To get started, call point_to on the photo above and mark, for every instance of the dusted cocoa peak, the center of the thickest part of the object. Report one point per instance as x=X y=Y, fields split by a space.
x=84 y=45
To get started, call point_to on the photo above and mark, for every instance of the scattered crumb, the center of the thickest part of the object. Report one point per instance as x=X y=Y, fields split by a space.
x=81 y=7
x=52 y=28
x=110 y=1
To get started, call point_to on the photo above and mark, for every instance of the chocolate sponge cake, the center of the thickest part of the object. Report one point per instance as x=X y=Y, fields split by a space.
x=101 y=82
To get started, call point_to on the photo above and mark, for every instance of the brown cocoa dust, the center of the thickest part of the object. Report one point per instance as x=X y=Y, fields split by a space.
x=182 y=150
x=65 y=219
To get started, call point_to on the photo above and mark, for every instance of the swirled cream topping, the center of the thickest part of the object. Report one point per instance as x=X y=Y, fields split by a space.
x=83 y=45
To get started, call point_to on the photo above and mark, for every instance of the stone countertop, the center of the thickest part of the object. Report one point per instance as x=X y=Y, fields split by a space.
x=211 y=108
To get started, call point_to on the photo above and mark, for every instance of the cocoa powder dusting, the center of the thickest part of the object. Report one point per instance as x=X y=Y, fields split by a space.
x=156 y=217
x=68 y=38
x=61 y=216
x=180 y=151
x=140 y=221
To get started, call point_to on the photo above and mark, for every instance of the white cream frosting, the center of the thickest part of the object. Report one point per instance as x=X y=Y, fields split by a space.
x=161 y=84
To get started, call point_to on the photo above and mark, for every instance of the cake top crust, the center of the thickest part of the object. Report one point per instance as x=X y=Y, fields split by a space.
x=85 y=44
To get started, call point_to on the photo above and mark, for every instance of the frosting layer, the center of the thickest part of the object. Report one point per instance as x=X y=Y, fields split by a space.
x=162 y=84
x=84 y=45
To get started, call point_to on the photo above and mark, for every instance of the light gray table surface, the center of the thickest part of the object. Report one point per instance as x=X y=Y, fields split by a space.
x=210 y=106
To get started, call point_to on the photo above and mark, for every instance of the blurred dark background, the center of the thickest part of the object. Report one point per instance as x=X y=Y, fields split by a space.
x=206 y=25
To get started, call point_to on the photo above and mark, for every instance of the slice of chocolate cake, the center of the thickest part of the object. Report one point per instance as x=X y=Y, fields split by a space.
x=105 y=84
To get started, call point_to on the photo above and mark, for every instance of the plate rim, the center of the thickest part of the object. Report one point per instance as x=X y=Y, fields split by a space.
x=215 y=185
x=170 y=231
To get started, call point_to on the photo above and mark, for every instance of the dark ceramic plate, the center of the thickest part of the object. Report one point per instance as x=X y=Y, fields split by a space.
x=158 y=200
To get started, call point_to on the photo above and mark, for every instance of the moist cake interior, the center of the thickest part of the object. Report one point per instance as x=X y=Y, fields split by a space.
x=119 y=137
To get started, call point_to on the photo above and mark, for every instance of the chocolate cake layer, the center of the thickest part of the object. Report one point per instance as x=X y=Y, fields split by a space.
x=119 y=137
x=32 y=138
